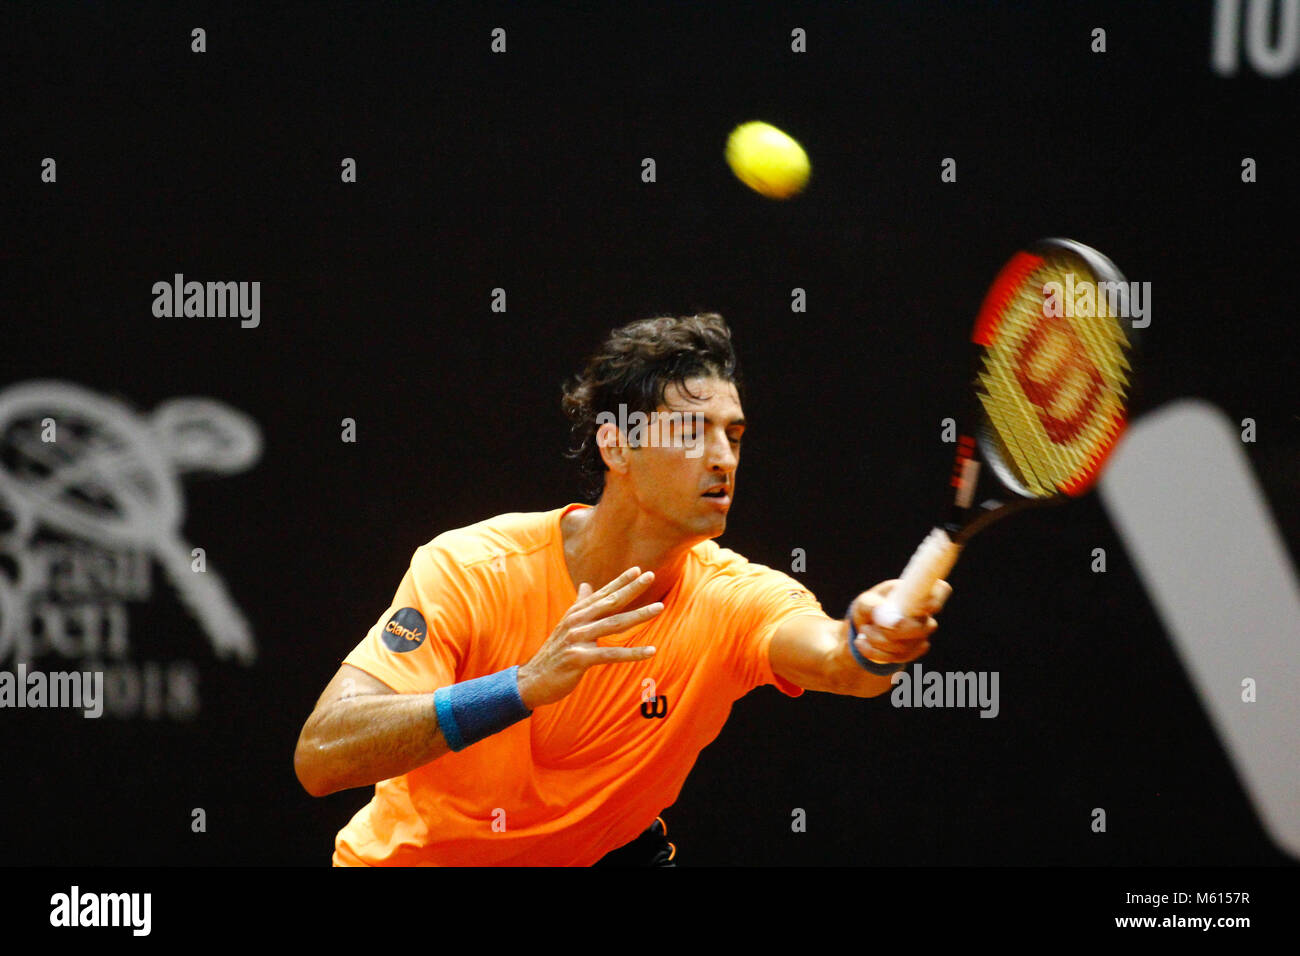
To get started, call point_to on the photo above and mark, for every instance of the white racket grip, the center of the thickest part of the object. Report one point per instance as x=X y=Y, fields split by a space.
x=930 y=562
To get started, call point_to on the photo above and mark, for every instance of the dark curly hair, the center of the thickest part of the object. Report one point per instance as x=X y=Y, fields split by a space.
x=633 y=367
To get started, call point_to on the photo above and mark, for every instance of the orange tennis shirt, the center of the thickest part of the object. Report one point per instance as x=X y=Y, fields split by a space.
x=583 y=776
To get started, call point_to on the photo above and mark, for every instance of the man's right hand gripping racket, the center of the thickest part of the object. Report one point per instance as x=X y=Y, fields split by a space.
x=1052 y=382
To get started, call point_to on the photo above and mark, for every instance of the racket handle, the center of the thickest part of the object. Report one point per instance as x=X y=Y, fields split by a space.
x=931 y=562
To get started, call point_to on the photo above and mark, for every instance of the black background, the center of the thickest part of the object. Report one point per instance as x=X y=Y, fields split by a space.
x=522 y=171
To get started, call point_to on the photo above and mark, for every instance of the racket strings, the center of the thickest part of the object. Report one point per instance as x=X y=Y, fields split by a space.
x=1054 y=382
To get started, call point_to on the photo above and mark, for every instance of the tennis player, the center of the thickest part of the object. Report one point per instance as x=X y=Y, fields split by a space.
x=542 y=684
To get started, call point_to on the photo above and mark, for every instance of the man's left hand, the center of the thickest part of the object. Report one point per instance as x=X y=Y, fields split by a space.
x=907 y=640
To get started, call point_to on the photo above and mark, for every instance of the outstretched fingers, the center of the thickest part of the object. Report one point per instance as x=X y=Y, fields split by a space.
x=616 y=594
x=615 y=623
x=620 y=655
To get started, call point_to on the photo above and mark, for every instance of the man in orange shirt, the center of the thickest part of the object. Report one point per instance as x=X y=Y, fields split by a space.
x=480 y=704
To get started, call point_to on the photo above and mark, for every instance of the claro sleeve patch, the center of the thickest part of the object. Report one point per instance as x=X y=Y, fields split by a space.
x=419 y=642
x=405 y=630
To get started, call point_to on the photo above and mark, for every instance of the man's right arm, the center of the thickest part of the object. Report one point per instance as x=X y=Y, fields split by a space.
x=362 y=731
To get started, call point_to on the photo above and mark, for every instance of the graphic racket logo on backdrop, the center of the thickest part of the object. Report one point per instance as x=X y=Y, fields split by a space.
x=89 y=500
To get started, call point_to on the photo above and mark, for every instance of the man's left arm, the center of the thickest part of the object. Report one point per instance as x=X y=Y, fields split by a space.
x=812 y=651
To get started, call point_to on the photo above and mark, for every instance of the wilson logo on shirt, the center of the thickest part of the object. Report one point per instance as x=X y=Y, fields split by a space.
x=656 y=707
x=405 y=630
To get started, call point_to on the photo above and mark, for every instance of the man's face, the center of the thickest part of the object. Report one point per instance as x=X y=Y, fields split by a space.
x=684 y=472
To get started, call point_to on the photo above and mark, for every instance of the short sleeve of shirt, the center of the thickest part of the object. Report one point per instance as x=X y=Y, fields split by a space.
x=761 y=599
x=420 y=642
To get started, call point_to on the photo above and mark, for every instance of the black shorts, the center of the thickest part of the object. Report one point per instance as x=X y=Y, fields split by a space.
x=651 y=848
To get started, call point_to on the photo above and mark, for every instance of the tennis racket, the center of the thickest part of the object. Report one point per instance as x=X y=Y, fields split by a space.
x=1051 y=386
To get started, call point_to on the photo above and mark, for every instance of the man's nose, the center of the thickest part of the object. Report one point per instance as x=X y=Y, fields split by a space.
x=720 y=454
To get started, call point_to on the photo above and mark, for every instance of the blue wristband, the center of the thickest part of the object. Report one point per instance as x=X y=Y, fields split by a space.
x=478 y=708
x=884 y=670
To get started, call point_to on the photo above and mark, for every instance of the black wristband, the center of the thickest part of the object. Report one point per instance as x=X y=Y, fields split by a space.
x=883 y=670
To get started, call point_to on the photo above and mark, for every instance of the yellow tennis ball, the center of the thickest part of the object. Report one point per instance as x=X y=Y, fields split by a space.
x=767 y=160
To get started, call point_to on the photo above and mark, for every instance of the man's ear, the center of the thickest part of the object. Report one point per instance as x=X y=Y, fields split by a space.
x=613 y=447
